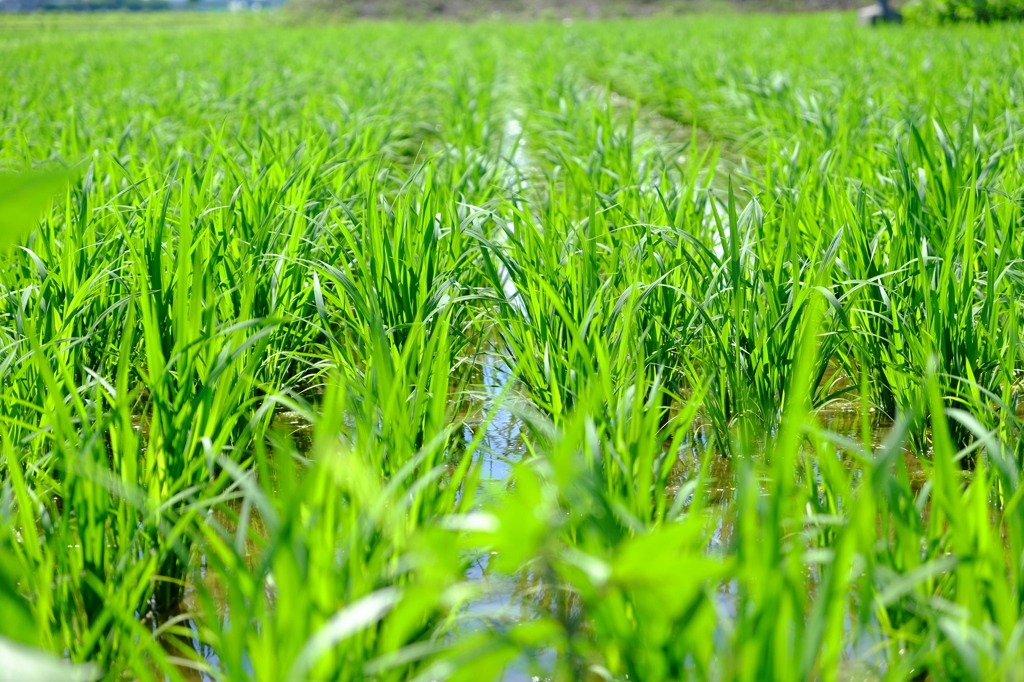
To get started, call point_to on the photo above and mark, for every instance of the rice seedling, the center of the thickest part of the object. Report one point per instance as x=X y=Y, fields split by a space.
x=663 y=254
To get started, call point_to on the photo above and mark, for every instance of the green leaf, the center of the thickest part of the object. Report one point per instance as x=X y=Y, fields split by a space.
x=356 y=617
x=24 y=197
x=17 y=621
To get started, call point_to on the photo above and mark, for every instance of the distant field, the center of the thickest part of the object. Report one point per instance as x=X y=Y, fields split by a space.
x=665 y=349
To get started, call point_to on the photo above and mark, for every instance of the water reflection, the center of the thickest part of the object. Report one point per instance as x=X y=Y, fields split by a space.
x=512 y=598
x=502 y=444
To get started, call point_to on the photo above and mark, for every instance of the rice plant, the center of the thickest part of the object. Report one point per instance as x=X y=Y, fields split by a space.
x=647 y=350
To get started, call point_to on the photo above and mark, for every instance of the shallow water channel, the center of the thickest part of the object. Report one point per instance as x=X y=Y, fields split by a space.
x=508 y=598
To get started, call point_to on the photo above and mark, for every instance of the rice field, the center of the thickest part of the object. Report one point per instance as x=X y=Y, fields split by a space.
x=665 y=349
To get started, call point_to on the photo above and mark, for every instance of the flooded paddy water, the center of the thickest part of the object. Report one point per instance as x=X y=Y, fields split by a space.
x=503 y=598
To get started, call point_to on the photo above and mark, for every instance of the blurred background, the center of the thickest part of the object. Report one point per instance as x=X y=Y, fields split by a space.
x=461 y=9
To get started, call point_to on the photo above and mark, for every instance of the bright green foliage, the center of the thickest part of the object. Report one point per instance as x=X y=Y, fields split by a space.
x=732 y=302
x=932 y=12
x=23 y=199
